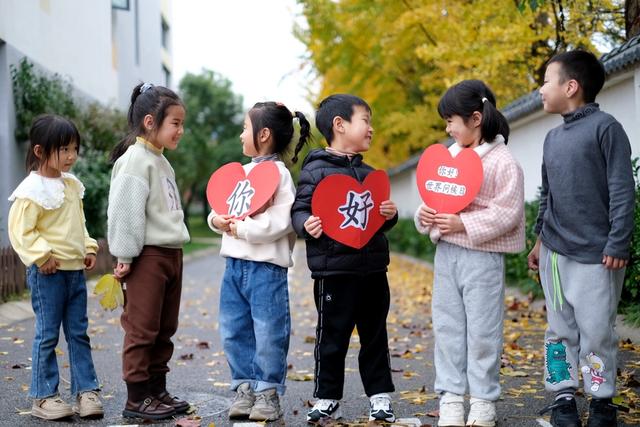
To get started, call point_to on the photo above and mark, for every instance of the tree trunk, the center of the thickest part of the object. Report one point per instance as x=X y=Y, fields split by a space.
x=205 y=205
x=632 y=17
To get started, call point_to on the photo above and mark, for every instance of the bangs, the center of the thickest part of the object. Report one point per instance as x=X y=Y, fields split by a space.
x=63 y=133
x=450 y=105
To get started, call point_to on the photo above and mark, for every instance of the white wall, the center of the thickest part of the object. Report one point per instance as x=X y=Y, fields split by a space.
x=69 y=37
x=620 y=97
x=527 y=134
x=404 y=192
x=525 y=143
x=146 y=65
x=11 y=154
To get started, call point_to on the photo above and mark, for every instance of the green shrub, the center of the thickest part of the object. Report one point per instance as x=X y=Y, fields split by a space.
x=405 y=239
x=516 y=266
x=629 y=302
x=94 y=170
x=35 y=93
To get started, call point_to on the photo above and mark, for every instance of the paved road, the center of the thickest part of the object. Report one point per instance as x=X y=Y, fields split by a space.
x=200 y=374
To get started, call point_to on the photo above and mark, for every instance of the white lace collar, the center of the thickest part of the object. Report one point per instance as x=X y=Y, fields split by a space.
x=481 y=149
x=46 y=192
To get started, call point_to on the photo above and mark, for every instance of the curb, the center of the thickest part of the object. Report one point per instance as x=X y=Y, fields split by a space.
x=15 y=311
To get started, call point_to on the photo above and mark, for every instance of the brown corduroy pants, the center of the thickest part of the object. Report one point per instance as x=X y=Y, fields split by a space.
x=150 y=316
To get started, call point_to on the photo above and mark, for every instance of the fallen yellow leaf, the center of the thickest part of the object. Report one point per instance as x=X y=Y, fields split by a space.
x=111 y=290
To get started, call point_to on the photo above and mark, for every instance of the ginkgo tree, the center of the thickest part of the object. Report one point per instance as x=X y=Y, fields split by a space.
x=401 y=55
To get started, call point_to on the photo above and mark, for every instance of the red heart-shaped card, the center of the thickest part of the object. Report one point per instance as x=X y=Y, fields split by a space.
x=350 y=211
x=232 y=192
x=448 y=184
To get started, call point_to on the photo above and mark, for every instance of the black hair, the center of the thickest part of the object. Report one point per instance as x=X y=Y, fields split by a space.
x=337 y=105
x=276 y=117
x=145 y=99
x=468 y=96
x=583 y=67
x=51 y=132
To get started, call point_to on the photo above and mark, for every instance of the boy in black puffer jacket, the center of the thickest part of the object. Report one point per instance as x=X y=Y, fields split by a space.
x=350 y=285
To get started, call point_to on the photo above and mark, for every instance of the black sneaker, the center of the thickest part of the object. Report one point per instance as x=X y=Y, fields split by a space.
x=324 y=408
x=564 y=413
x=603 y=413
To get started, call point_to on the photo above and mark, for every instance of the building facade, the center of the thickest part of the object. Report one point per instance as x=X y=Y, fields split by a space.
x=103 y=47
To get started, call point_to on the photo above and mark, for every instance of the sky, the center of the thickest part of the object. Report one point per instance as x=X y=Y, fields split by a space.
x=250 y=42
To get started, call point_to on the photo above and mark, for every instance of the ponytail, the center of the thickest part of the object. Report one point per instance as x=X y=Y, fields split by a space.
x=493 y=122
x=277 y=117
x=145 y=99
x=305 y=134
x=469 y=96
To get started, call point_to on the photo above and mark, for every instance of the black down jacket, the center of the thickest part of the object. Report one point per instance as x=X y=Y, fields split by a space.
x=325 y=256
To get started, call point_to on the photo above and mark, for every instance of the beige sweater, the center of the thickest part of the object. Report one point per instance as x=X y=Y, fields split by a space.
x=144 y=203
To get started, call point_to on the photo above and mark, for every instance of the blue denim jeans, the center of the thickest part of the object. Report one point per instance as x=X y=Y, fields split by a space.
x=255 y=323
x=60 y=298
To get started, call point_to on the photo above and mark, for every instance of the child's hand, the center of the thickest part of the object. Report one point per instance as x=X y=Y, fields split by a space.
x=388 y=209
x=313 y=225
x=222 y=222
x=50 y=266
x=449 y=223
x=533 y=259
x=233 y=228
x=121 y=270
x=89 y=261
x=611 y=263
x=426 y=215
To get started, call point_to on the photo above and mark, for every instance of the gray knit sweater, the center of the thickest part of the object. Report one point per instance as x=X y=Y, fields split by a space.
x=587 y=195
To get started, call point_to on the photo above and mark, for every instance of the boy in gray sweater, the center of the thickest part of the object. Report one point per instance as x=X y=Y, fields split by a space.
x=584 y=228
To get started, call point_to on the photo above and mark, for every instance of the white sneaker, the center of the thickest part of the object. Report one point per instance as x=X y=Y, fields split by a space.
x=451 y=410
x=325 y=408
x=380 y=408
x=482 y=413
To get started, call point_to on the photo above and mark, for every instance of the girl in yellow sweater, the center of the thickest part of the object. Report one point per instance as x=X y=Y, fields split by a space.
x=47 y=230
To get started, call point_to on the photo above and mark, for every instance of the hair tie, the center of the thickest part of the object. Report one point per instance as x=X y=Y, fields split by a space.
x=484 y=99
x=145 y=87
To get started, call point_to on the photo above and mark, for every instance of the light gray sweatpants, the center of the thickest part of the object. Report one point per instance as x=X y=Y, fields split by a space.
x=468 y=313
x=581 y=314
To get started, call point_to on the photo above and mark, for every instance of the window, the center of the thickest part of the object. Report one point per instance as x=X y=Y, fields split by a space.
x=167 y=76
x=165 y=33
x=120 y=4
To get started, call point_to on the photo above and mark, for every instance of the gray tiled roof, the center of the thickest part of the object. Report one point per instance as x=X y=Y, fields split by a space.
x=617 y=60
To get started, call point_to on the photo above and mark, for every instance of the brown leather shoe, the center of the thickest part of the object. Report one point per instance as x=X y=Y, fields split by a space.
x=149 y=409
x=181 y=406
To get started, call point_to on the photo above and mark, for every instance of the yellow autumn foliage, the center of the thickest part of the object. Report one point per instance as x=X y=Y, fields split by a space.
x=400 y=56
x=111 y=291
